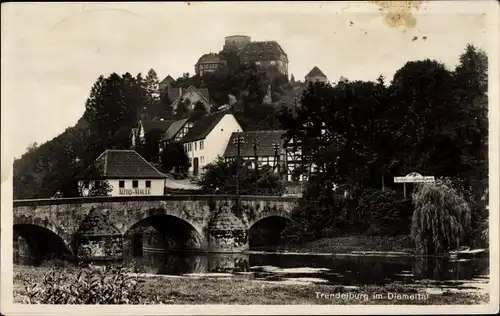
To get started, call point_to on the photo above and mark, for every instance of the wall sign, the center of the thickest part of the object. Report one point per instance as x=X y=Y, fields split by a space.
x=135 y=191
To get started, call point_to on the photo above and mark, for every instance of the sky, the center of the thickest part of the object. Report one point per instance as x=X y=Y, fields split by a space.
x=53 y=53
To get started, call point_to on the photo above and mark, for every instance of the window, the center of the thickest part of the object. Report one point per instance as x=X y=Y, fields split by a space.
x=195 y=145
x=148 y=183
x=201 y=145
x=135 y=184
x=202 y=159
x=86 y=184
x=273 y=62
x=121 y=184
x=189 y=146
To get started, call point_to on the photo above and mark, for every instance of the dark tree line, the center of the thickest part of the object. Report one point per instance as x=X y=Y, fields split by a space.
x=429 y=120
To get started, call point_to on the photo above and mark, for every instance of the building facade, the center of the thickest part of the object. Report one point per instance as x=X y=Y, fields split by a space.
x=127 y=174
x=208 y=138
x=267 y=55
x=316 y=75
x=208 y=63
x=191 y=96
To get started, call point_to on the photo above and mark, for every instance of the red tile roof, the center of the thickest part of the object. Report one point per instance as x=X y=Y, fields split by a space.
x=126 y=164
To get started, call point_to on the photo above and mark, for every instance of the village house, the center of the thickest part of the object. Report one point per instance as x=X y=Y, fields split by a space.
x=191 y=96
x=165 y=84
x=175 y=132
x=127 y=172
x=138 y=133
x=208 y=138
x=316 y=75
x=266 y=147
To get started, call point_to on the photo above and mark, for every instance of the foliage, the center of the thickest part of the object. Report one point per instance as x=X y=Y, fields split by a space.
x=93 y=285
x=111 y=111
x=92 y=183
x=199 y=111
x=149 y=148
x=441 y=217
x=384 y=213
x=175 y=159
x=183 y=109
x=223 y=175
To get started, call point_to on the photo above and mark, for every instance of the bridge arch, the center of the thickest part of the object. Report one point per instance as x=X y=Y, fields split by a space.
x=41 y=240
x=265 y=233
x=270 y=212
x=166 y=229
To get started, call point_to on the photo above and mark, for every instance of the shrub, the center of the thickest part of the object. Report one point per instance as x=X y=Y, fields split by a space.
x=440 y=219
x=92 y=285
x=384 y=213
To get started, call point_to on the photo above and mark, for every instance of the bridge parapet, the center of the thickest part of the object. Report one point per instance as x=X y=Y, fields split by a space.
x=64 y=216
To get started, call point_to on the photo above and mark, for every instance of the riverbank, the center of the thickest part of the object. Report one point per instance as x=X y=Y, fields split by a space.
x=230 y=290
x=356 y=244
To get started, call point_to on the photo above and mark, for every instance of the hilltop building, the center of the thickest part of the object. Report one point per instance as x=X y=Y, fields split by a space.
x=267 y=55
x=316 y=75
x=209 y=63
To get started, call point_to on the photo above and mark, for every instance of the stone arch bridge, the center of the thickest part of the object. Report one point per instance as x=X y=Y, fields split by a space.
x=92 y=227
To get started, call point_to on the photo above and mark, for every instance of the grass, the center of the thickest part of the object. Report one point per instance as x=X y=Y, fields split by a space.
x=349 y=244
x=246 y=291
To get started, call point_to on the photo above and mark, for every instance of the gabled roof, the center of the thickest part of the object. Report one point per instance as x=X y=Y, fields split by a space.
x=167 y=79
x=315 y=72
x=265 y=50
x=265 y=141
x=122 y=163
x=173 y=129
x=203 y=92
x=203 y=126
x=150 y=125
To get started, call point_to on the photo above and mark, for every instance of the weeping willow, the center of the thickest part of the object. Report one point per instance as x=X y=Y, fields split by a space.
x=440 y=219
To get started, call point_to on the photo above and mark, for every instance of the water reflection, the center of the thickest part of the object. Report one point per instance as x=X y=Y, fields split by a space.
x=336 y=270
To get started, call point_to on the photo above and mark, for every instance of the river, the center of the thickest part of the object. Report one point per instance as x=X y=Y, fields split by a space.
x=328 y=269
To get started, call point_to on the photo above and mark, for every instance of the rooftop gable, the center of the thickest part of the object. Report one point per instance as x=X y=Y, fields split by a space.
x=203 y=126
x=315 y=72
x=265 y=143
x=124 y=163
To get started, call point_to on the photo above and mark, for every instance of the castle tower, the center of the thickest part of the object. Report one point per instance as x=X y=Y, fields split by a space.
x=235 y=43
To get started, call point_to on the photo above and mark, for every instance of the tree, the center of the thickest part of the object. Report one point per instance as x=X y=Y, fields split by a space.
x=167 y=112
x=149 y=148
x=440 y=219
x=199 y=110
x=183 y=109
x=175 y=159
x=223 y=175
x=152 y=89
x=92 y=182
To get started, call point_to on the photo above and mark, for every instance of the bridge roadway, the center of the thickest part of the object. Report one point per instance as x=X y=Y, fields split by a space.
x=100 y=227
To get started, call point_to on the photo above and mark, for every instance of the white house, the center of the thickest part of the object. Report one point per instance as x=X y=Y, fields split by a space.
x=208 y=139
x=127 y=172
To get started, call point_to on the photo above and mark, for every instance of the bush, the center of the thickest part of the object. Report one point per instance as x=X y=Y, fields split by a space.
x=93 y=285
x=384 y=213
